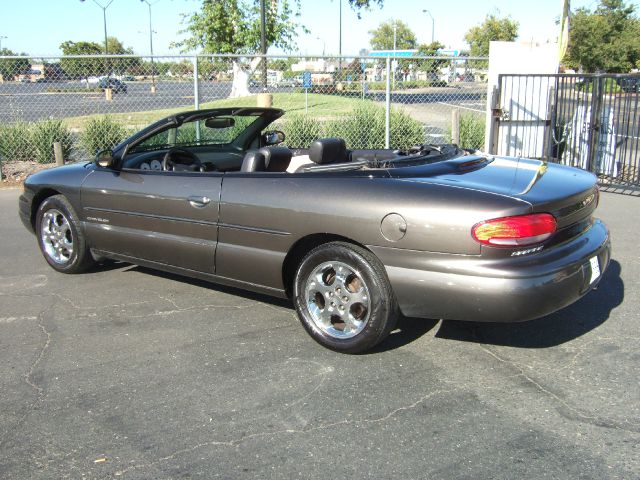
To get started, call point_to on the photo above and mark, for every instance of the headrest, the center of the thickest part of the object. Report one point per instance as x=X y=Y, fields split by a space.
x=253 y=161
x=277 y=159
x=328 y=150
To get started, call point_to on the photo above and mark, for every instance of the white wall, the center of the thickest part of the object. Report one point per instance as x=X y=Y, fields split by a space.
x=526 y=101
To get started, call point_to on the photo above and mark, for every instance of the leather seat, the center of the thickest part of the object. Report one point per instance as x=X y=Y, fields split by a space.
x=273 y=159
x=277 y=159
x=254 y=161
x=328 y=150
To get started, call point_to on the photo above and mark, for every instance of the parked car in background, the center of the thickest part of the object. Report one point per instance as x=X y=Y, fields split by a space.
x=629 y=84
x=354 y=238
x=117 y=86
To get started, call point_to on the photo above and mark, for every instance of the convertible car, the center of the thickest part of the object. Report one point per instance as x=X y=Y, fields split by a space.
x=354 y=237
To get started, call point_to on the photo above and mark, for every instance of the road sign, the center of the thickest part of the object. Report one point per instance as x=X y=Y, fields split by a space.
x=306 y=79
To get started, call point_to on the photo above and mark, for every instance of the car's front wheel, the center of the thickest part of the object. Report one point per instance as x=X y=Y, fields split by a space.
x=343 y=297
x=60 y=237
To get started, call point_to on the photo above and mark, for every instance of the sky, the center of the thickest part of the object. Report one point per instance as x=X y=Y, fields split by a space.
x=38 y=27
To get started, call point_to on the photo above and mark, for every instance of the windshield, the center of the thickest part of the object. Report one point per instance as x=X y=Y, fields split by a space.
x=223 y=130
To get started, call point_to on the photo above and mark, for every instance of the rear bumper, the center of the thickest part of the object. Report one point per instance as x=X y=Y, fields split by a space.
x=459 y=287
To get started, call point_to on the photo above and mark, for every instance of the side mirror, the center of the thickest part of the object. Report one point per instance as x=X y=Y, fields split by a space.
x=104 y=159
x=272 y=138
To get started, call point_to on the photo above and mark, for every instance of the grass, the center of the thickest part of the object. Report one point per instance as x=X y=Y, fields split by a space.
x=321 y=106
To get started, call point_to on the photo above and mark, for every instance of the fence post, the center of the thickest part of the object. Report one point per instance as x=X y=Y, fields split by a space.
x=196 y=90
x=57 y=153
x=455 y=126
x=387 y=120
x=594 y=122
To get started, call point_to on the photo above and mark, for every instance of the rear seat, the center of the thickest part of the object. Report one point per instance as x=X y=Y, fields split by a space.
x=322 y=152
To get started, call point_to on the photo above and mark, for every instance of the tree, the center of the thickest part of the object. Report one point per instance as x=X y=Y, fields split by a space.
x=82 y=67
x=10 y=67
x=233 y=26
x=431 y=66
x=121 y=65
x=607 y=39
x=492 y=29
x=359 y=5
x=382 y=37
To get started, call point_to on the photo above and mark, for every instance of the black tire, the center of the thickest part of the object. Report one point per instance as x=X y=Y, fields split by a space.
x=60 y=236
x=360 y=319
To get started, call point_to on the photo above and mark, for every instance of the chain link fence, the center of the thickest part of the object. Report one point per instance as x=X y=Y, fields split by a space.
x=90 y=103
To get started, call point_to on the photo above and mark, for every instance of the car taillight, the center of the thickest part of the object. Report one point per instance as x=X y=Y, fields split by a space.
x=514 y=231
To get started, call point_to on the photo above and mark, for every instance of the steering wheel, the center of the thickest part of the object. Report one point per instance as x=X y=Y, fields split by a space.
x=179 y=159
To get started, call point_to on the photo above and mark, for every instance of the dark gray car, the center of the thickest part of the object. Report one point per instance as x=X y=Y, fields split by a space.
x=354 y=238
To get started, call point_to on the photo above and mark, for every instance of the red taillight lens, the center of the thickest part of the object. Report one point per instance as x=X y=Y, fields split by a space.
x=513 y=231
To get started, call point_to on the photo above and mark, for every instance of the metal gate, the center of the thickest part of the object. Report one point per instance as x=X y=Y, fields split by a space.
x=586 y=121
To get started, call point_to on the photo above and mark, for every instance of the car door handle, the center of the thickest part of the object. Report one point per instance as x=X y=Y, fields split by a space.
x=199 y=202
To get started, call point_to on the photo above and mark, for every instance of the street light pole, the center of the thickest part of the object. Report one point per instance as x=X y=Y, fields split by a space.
x=433 y=25
x=106 y=47
x=1 y=37
x=153 y=77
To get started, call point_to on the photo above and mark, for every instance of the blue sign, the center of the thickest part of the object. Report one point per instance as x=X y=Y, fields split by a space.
x=392 y=53
x=448 y=53
x=306 y=79
x=410 y=53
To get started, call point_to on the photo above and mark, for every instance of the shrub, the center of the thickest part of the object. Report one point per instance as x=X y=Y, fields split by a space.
x=472 y=131
x=15 y=142
x=44 y=134
x=405 y=131
x=102 y=133
x=301 y=130
x=365 y=129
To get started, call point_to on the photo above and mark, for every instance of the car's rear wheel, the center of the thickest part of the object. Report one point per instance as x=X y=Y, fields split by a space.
x=343 y=297
x=60 y=237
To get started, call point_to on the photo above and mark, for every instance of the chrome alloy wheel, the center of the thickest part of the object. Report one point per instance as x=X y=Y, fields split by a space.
x=56 y=236
x=338 y=299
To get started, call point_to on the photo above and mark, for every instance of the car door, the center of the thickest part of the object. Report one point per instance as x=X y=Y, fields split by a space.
x=169 y=218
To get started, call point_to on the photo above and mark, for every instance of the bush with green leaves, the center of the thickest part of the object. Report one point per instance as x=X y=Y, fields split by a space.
x=47 y=132
x=301 y=130
x=362 y=129
x=472 y=128
x=14 y=142
x=102 y=133
x=405 y=131
x=365 y=129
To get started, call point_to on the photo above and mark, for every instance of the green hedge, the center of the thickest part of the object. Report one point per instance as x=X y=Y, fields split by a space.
x=364 y=128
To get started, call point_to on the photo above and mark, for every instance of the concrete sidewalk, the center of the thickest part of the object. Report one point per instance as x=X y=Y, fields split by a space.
x=129 y=373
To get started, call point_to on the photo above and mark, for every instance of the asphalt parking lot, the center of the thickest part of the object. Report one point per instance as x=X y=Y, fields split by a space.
x=128 y=373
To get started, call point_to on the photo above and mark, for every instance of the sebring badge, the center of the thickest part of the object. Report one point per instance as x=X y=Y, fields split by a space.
x=527 y=251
